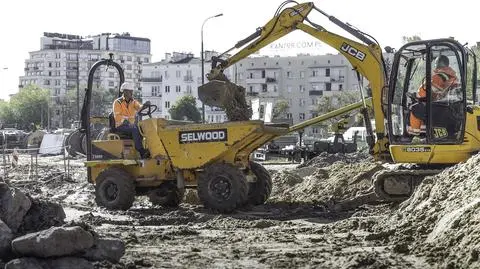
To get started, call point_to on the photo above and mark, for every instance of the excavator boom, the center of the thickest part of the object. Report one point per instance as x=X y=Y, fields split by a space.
x=365 y=57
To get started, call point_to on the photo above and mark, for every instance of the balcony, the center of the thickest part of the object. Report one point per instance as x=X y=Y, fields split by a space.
x=271 y=80
x=157 y=79
x=188 y=78
x=269 y=94
x=315 y=93
x=252 y=93
x=320 y=79
x=339 y=79
x=256 y=80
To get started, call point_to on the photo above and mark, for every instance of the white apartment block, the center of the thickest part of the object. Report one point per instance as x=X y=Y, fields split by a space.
x=300 y=80
x=177 y=75
x=63 y=62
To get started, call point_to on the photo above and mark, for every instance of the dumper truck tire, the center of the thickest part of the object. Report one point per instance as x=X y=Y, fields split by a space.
x=259 y=191
x=222 y=187
x=115 y=189
x=167 y=194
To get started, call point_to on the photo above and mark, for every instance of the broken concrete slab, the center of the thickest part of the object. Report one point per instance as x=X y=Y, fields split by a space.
x=42 y=215
x=60 y=263
x=110 y=249
x=24 y=263
x=69 y=262
x=54 y=242
x=6 y=238
x=14 y=205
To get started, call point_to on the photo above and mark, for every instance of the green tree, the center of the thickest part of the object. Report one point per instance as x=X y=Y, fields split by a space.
x=28 y=105
x=280 y=109
x=185 y=109
x=6 y=113
x=330 y=103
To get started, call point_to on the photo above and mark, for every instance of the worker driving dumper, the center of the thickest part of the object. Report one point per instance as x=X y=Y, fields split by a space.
x=125 y=109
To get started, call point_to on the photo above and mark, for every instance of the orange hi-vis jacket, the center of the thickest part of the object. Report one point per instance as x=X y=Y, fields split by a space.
x=125 y=111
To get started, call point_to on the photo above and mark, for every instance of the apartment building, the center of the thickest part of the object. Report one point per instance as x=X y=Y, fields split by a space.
x=177 y=75
x=300 y=80
x=63 y=62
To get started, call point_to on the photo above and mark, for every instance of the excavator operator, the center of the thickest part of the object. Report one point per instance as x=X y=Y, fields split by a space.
x=124 y=109
x=443 y=78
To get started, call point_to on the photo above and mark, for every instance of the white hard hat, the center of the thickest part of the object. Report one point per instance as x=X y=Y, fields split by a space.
x=126 y=86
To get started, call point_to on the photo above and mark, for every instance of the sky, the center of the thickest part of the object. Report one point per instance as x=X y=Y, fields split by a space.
x=176 y=26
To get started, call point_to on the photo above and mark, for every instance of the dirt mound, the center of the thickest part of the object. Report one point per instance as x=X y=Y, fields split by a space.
x=440 y=221
x=310 y=184
x=326 y=159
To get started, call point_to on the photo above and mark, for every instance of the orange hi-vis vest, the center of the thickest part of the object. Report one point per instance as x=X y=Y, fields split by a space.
x=125 y=111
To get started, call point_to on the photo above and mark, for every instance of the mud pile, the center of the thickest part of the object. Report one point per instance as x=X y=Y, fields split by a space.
x=441 y=220
x=325 y=179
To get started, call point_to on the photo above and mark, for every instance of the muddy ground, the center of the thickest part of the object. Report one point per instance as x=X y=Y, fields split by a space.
x=437 y=228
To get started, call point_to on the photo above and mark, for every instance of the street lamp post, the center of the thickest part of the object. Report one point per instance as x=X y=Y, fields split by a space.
x=203 y=61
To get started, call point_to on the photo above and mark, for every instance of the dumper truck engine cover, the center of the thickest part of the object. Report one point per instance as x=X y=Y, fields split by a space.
x=202 y=136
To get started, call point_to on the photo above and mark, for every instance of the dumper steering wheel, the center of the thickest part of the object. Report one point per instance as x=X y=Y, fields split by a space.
x=147 y=110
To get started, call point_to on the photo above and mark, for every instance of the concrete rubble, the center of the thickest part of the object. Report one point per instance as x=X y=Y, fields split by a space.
x=33 y=234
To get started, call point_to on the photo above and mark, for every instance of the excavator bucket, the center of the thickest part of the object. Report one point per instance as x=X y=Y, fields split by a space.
x=227 y=96
x=217 y=92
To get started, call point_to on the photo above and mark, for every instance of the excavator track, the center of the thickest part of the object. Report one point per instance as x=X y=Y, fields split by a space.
x=398 y=185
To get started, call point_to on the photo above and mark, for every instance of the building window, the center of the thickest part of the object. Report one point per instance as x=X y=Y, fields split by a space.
x=49 y=64
x=129 y=58
x=167 y=104
x=111 y=74
x=289 y=115
x=328 y=86
x=264 y=87
x=178 y=73
x=301 y=102
x=189 y=89
x=289 y=74
x=327 y=72
x=302 y=88
x=301 y=116
x=167 y=88
x=302 y=74
x=111 y=83
x=251 y=75
x=177 y=88
x=340 y=87
x=289 y=88
x=154 y=90
x=315 y=73
x=274 y=88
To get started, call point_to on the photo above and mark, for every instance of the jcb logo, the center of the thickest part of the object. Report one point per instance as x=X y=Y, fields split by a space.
x=353 y=51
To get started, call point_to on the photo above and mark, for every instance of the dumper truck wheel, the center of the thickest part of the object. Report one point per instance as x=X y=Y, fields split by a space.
x=115 y=189
x=259 y=191
x=222 y=187
x=167 y=194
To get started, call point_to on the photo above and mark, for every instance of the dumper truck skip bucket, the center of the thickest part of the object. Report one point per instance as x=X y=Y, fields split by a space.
x=196 y=145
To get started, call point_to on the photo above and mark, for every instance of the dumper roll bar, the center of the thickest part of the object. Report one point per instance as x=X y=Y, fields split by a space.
x=85 y=115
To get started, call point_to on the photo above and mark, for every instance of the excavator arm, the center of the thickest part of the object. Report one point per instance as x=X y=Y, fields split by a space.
x=365 y=57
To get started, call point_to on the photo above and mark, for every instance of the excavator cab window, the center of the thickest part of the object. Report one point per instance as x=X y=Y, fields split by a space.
x=427 y=94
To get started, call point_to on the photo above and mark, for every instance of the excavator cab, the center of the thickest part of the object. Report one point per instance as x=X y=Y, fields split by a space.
x=427 y=98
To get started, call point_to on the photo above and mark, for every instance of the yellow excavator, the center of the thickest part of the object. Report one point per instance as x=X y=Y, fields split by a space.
x=449 y=131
